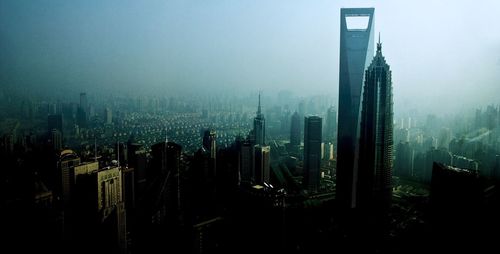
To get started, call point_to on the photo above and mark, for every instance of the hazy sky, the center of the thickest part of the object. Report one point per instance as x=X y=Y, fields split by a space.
x=443 y=53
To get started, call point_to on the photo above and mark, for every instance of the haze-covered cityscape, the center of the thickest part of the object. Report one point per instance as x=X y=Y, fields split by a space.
x=250 y=126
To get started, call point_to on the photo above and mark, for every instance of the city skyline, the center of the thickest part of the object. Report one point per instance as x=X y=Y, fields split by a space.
x=216 y=127
x=159 y=47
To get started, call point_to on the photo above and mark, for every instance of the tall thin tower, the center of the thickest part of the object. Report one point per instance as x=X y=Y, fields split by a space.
x=259 y=127
x=356 y=50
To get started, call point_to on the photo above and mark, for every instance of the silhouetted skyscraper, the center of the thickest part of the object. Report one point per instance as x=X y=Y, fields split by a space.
x=262 y=169
x=174 y=154
x=376 y=136
x=356 y=51
x=295 y=130
x=165 y=158
x=210 y=147
x=136 y=158
x=312 y=152
x=246 y=160
x=259 y=127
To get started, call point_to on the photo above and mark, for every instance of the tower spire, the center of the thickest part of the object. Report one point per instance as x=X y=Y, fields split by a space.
x=259 y=109
x=379 y=44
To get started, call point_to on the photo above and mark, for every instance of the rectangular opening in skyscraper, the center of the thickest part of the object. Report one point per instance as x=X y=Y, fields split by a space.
x=357 y=22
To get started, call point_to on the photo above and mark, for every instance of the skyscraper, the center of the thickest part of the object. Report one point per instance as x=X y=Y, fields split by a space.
x=56 y=140
x=209 y=145
x=246 y=160
x=108 y=116
x=98 y=209
x=376 y=136
x=312 y=152
x=331 y=124
x=285 y=121
x=55 y=131
x=81 y=118
x=403 y=166
x=259 y=127
x=262 y=164
x=66 y=166
x=356 y=50
x=295 y=130
x=109 y=189
x=158 y=163
x=82 y=112
x=136 y=158
x=165 y=158
x=209 y=142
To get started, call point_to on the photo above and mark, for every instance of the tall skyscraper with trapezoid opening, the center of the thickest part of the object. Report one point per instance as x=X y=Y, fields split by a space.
x=356 y=52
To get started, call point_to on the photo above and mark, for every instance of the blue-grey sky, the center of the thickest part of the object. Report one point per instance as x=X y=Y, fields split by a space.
x=442 y=53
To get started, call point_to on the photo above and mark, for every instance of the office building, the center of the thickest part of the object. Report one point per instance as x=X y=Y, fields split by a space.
x=262 y=170
x=66 y=167
x=246 y=161
x=312 y=152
